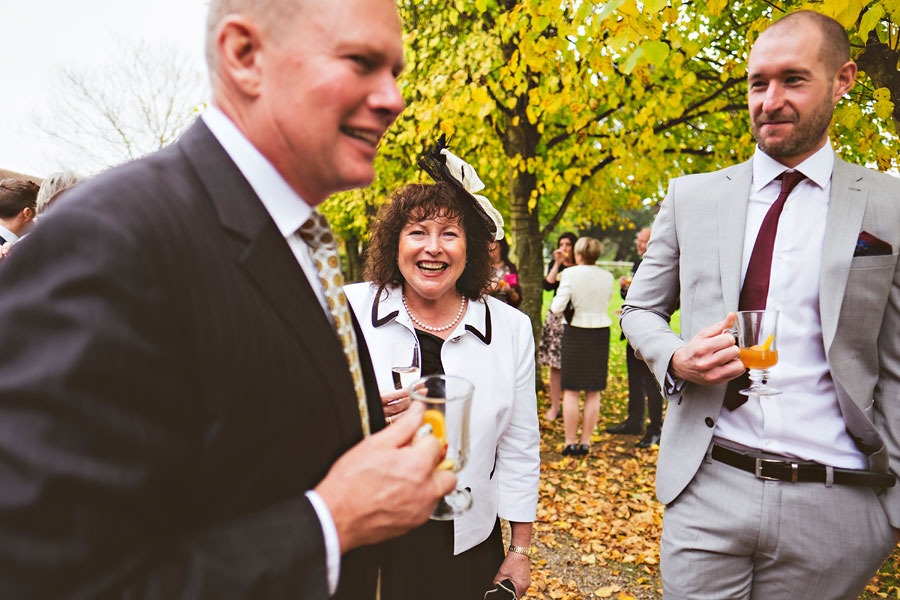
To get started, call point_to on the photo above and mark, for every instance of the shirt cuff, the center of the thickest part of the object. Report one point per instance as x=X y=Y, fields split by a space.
x=673 y=386
x=332 y=543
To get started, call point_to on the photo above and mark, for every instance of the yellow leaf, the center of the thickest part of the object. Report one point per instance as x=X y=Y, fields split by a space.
x=884 y=109
x=609 y=8
x=881 y=94
x=652 y=7
x=606 y=592
x=870 y=20
x=716 y=7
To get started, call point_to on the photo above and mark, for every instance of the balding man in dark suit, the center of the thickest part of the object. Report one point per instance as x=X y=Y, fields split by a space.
x=178 y=416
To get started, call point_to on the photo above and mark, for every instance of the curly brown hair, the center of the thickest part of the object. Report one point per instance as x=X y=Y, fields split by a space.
x=419 y=202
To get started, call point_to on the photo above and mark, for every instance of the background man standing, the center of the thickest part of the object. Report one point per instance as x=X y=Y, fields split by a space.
x=785 y=496
x=178 y=415
x=18 y=198
x=641 y=384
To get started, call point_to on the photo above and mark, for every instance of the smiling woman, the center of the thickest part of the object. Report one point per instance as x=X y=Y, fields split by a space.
x=428 y=268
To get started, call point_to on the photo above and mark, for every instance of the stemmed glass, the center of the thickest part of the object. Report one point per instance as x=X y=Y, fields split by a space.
x=758 y=341
x=404 y=364
x=448 y=402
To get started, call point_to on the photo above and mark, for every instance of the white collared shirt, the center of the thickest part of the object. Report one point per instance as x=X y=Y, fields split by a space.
x=805 y=420
x=289 y=211
x=8 y=235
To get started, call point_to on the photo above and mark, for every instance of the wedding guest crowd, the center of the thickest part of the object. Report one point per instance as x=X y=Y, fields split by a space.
x=194 y=405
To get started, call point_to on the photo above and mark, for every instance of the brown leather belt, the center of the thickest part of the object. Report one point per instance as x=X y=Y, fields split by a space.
x=786 y=470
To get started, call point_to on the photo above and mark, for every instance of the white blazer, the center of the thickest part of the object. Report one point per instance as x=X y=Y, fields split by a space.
x=590 y=288
x=493 y=347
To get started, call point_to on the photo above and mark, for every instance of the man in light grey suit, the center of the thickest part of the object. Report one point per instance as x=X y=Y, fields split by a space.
x=788 y=496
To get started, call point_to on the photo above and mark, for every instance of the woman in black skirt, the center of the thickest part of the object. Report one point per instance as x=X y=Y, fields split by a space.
x=585 y=345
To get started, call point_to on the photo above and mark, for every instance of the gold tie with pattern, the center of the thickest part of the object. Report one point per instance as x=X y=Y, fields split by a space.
x=318 y=236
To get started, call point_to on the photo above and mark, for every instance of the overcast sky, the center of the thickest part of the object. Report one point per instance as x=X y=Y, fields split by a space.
x=41 y=36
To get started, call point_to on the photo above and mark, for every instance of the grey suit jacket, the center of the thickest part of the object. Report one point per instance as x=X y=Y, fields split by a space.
x=695 y=253
x=169 y=388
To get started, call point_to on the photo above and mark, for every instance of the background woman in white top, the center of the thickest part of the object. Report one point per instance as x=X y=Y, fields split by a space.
x=585 y=346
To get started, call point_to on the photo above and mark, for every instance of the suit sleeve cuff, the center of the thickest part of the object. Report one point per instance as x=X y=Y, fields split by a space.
x=332 y=543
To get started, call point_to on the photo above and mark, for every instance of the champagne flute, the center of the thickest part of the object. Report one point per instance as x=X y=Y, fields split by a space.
x=448 y=402
x=404 y=364
x=758 y=343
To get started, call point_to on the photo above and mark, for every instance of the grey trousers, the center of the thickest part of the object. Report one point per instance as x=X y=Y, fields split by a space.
x=732 y=536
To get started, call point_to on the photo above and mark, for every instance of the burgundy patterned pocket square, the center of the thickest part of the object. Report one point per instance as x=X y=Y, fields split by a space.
x=869 y=245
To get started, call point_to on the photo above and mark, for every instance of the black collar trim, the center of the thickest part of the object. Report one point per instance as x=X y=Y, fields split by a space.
x=486 y=336
x=376 y=322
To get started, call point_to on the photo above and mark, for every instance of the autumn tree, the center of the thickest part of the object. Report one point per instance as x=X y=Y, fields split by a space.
x=579 y=112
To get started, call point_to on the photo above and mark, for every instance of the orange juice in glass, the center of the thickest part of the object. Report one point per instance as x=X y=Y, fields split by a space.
x=757 y=339
x=448 y=402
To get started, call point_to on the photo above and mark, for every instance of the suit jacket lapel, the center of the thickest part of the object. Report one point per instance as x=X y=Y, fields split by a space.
x=733 y=197
x=267 y=260
x=846 y=209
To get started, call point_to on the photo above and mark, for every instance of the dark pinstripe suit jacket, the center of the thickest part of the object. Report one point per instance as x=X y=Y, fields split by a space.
x=169 y=388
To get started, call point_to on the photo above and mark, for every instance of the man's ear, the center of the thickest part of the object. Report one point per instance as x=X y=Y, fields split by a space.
x=28 y=214
x=238 y=43
x=844 y=79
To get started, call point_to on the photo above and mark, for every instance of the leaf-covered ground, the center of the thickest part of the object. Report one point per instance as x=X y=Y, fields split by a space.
x=598 y=528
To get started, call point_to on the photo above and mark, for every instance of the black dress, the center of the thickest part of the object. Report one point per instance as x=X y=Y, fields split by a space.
x=422 y=563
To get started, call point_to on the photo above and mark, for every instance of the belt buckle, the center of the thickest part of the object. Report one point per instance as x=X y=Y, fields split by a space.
x=759 y=464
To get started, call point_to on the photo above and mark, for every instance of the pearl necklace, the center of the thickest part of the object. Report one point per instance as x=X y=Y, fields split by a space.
x=459 y=314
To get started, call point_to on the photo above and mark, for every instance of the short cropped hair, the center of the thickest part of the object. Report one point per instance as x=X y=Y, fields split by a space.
x=16 y=195
x=418 y=202
x=270 y=14
x=589 y=248
x=54 y=185
x=835 y=45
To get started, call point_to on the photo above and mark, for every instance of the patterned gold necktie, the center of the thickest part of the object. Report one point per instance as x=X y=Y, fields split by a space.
x=317 y=235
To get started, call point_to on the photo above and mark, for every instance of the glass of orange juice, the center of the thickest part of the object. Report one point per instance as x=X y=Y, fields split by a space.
x=757 y=338
x=448 y=402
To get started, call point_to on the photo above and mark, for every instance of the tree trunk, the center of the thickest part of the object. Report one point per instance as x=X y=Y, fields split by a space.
x=353 y=266
x=519 y=142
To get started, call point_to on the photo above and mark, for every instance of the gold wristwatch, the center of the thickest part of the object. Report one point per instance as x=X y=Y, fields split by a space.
x=520 y=550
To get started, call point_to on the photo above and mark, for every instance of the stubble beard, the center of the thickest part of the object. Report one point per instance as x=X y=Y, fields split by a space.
x=808 y=133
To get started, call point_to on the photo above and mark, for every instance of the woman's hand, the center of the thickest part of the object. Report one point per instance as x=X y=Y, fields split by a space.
x=394 y=402
x=517 y=568
x=559 y=255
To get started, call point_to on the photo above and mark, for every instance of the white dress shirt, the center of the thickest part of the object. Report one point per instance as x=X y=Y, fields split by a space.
x=804 y=421
x=8 y=235
x=289 y=211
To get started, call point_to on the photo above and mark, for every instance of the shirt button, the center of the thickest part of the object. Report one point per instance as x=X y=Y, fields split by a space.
x=767 y=442
x=709 y=422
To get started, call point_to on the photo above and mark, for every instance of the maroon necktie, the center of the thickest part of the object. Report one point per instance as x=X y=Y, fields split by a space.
x=756 y=281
